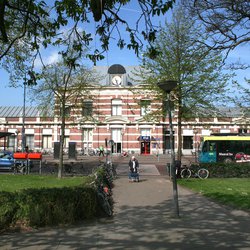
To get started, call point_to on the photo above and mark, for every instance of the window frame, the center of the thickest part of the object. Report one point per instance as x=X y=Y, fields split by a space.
x=87 y=108
x=145 y=105
x=116 y=107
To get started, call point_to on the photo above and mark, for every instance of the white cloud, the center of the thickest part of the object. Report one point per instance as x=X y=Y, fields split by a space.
x=50 y=58
x=53 y=58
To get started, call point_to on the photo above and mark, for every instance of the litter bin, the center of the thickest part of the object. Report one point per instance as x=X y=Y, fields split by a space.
x=56 y=150
x=72 y=150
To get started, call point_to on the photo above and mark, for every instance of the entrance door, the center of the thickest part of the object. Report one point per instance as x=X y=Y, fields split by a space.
x=145 y=148
x=116 y=148
x=117 y=138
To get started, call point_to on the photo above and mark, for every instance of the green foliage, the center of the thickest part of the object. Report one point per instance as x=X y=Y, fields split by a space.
x=13 y=183
x=30 y=24
x=230 y=191
x=42 y=207
x=47 y=206
x=103 y=177
x=202 y=85
x=183 y=57
x=39 y=201
x=63 y=83
x=8 y=209
x=222 y=21
x=242 y=100
x=225 y=170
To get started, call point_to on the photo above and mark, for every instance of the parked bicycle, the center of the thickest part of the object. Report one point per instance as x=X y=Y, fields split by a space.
x=110 y=170
x=196 y=171
x=103 y=196
x=19 y=167
x=89 y=152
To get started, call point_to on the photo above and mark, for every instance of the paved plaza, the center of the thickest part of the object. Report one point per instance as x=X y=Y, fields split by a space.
x=144 y=218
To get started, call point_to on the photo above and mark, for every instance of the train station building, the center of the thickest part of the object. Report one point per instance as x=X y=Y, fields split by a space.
x=117 y=116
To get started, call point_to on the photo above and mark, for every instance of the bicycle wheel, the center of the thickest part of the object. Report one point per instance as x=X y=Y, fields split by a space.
x=109 y=171
x=113 y=169
x=105 y=204
x=185 y=173
x=203 y=173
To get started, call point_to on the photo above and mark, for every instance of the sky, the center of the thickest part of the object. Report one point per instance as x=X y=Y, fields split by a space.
x=10 y=96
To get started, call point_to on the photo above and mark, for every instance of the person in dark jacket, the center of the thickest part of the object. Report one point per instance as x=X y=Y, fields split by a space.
x=133 y=169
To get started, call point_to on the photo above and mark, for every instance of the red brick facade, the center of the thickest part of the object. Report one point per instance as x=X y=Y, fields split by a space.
x=117 y=116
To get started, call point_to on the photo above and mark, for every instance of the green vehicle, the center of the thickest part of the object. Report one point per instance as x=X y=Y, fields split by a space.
x=224 y=148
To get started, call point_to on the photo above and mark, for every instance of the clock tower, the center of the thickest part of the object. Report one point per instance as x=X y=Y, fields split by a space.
x=117 y=75
x=116 y=80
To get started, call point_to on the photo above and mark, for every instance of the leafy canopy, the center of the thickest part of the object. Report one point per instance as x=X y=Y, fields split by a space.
x=202 y=85
x=37 y=23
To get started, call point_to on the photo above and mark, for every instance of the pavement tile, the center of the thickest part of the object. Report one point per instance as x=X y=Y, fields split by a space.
x=144 y=219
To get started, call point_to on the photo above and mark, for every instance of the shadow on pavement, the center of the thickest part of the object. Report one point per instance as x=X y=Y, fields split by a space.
x=144 y=219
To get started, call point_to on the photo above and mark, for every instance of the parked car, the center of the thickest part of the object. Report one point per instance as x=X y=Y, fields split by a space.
x=6 y=160
x=242 y=156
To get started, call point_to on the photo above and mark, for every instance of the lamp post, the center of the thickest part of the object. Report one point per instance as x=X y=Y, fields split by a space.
x=167 y=87
x=24 y=106
x=195 y=131
x=17 y=132
x=29 y=82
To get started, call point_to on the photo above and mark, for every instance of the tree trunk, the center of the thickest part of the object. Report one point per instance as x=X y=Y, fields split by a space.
x=62 y=136
x=179 y=149
x=179 y=132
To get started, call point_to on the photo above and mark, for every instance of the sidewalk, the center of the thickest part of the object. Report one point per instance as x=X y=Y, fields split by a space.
x=144 y=219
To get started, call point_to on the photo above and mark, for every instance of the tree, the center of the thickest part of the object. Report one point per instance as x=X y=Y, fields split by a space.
x=198 y=70
x=60 y=90
x=36 y=24
x=226 y=21
x=243 y=100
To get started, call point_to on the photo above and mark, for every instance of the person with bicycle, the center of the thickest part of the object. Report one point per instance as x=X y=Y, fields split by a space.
x=133 y=169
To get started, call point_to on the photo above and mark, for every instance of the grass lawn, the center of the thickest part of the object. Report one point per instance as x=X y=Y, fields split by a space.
x=234 y=192
x=11 y=183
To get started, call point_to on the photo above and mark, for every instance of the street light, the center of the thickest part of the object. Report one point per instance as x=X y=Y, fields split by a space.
x=167 y=87
x=24 y=106
x=195 y=131
x=29 y=82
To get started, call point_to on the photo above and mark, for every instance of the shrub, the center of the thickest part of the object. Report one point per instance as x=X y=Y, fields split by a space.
x=54 y=206
x=8 y=209
x=225 y=170
x=50 y=206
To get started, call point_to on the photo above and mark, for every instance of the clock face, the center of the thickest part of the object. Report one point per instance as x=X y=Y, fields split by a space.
x=116 y=80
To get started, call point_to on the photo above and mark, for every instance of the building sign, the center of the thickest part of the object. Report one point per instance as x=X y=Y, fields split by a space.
x=145 y=138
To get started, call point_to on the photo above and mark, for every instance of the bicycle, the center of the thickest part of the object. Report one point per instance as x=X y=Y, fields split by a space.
x=19 y=167
x=187 y=172
x=89 y=152
x=103 y=196
x=110 y=170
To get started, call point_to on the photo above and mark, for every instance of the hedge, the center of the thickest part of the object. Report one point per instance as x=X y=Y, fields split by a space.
x=47 y=206
x=227 y=170
x=51 y=206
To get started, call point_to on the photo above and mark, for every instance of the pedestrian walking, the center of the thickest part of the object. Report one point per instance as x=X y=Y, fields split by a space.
x=101 y=150
x=133 y=169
